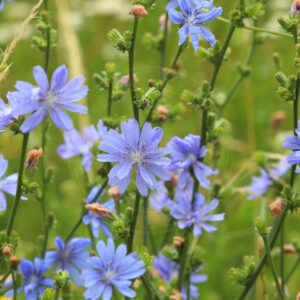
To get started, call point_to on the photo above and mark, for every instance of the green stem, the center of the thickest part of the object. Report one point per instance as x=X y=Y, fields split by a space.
x=268 y=251
x=282 y=256
x=258 y=29
x=48 y=39
x=133 y=222
x=57 y=293
x=78 y=223
x=110 y=88
x=19 y=185
x=145 y=217
x=163 y=85
x=168 y=232
x=152 y=240
x=131 y=68
x=163 y=47
x=183 y=259
x=293 y=269
x=151 y=289
x=14 y=285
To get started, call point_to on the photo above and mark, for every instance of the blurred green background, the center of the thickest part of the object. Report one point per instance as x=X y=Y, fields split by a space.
x=249 y=114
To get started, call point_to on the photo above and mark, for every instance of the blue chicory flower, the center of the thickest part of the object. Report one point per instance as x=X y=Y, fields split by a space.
x=2 y=3
x=97 y=221
x=132 y=148
x=91 y=197
x=168 y=270
x=101 y=129
x=292 y=142
x=70 y=256
x=195 y=214
x=186 y=153
x=260 y=185
x=7 y=184
x=33 y=283
x=5 y=114
x=295 y=7
x=159 y=197
x=76 y=144
x=112 y=268
x=173 y=4
x=48 y=97
x=192 y=20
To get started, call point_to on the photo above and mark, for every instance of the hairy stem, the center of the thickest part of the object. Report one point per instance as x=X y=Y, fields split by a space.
x=268 y=251
x=19 y=185
x=131 y=68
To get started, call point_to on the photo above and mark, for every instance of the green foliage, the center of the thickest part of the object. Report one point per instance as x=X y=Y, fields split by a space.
x=243 y=274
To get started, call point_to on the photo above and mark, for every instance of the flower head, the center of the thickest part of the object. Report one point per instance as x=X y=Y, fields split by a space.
x=33 y=282
x=101 y=129
x=173 y=4
x=295 y=7
x=48 y=98
x=260 y=185
x=134 y=149
x=97 y=222
x=192 y=20
x=5 y=114
x=168 y=270
x=159 y=197
x=76 y=144
x=112 y=268
x=70 y=256
x=292 y=142
x=186 y=153
x=2 y=2
x=7 y=184
x=195 y=214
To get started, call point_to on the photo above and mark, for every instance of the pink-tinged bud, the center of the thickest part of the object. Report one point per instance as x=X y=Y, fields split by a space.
x=139 y=11
x=92 y=253
x=177 y=66
x=162 y=110
x=176 y=295
x=114 y=192
x=277 y=119
x=295 y=7
x=137 y=283
x=6 y=250
x=33 y=158
x=14 y=260
x=154 y=272
x=125 y=81
x=277 y=295
x=99 y=210
x=178 y=241
x=161 y=289
x=162 y=21
x=276 y=207
x=289 y=249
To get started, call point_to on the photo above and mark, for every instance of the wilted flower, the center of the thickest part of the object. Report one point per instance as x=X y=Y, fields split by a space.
x=276 y=207
x=195 y=214
x=48 y=98
x=7 y=184
x=99 y=209
x=93 y=193
x=5 y=114
x=139 y=11
x=178 y=241
x=70 y=256
x=132 y=148
x=295 y=7
x=76 y=144
x=33 y=158
x=186 y=153
x=168 y=270
x=97 y=221
x=193 y=19
x=112 y=268
x=33 y=283
x=114 y=192
x=277 y=118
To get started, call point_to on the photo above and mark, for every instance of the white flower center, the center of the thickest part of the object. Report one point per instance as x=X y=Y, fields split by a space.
x=136 y=157
x=109 y=275
x=190 y=20
x=34 y=278
x=50 y=99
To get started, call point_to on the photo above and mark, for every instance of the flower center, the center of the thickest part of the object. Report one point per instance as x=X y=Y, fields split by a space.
x=136 y=157
x=190 y=20
x=50 y=99
x=34 y=278
x=65 y=255
x=109 y=275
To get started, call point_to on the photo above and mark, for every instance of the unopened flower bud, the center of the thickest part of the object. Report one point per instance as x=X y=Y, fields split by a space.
x=176 y=295
x=6 y=250
x=177 y=66
x=92 y=253
x=161 y=118
x=99 y=209
x=150 y=83
x=139 y=11
x=33 y=157
x=277 y=119
x=14 y=260
x=137 y=283
x=289 y=249
x=161 y=289
x=162 y=110
x=170 y=74
x=114 y=192
x=110 y=69
x=178 y=241
x=261 y=226
x=276 y=207
x=173 y=181
x=295 y=7
x=125 y=81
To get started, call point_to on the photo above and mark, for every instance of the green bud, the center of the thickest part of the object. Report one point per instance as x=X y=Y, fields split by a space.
x=119 y=228
x=61 y=278
x=211 y=118
x=244 y=70
x=40 y=244
x=152 y=94
x=187 y=96
x=169 y=252
x=281 y=78
x=50 y=220
x=110 y=69
x=114 y=35
x=32 y=187
x=101 y=81
x=286 y=23
x=197 y=257
x=49 y=175
x=244 y=274
x=261 y=227
x=276 y=59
